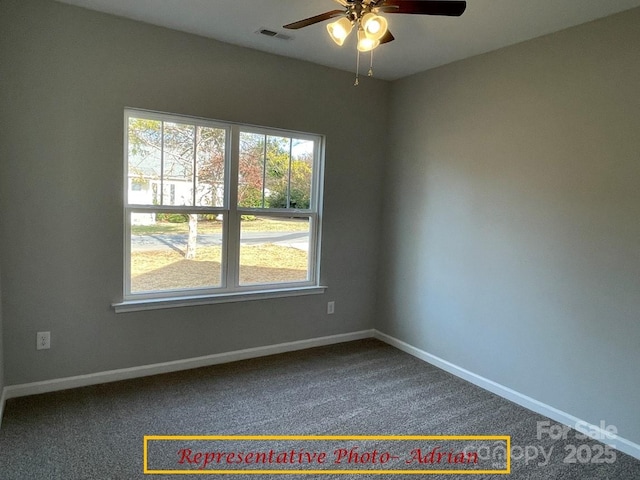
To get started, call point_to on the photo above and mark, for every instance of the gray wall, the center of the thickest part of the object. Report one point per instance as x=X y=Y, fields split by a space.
x=67 y=75
x=1 y=346
x=512 y=207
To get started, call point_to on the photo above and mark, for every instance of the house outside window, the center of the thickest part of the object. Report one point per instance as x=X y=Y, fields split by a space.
x=215 y=208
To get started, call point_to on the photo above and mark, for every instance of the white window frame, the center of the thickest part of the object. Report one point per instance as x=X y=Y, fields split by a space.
x=230 y=289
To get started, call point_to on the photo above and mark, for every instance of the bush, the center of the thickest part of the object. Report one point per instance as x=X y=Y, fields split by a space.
x=172 y=217
x=279 y=200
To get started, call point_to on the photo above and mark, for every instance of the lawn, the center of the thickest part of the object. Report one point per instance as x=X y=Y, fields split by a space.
x=214 y=226
x=153 y=270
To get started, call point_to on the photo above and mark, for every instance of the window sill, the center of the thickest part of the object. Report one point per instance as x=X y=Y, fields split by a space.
x=192 y=301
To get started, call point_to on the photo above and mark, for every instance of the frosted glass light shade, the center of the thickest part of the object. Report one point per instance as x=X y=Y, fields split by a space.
x=339 y=30
x=374 y=26
x=366 y=44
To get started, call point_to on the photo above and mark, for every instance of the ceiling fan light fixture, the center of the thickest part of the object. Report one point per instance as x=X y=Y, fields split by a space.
x=366 y=44
x=374 y=26
x=372 y=29
x=339 y=30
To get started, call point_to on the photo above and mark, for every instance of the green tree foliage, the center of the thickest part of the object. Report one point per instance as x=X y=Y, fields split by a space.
x=270 y=176
x=251 y=170
x=298 y=188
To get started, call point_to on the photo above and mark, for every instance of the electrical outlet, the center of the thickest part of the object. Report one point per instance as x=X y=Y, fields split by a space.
x=43 y=340
x=331 y=307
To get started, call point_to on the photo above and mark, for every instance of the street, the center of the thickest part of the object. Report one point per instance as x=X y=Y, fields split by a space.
x=178 y=241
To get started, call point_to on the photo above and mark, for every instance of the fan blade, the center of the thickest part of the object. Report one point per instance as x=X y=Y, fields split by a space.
x=311 y=20
x=453 y=8
x=387 y=37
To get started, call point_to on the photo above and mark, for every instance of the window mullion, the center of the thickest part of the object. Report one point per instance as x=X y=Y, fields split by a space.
x=127 y=213
x=162 y=163
x=316 y=207
x=289 y=179
x=195 y=165
x=313 y=261
x=232 y=223
x=264 y=169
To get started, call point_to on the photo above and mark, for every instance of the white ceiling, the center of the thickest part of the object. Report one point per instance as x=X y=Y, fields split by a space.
x=422 y=42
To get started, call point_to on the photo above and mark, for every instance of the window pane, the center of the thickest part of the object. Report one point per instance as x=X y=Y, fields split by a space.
x=274 y=171
x=171 y=251
x=301 y=173
x=277 y=172
x=251 y=170
x=178 y=158
x=210 y=158
x=274 y=250
x=144 y=161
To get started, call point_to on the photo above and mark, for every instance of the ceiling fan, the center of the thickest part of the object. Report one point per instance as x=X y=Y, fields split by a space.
x=371 y=27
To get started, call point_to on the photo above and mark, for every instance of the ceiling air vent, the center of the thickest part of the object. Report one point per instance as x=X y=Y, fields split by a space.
x=270 y=33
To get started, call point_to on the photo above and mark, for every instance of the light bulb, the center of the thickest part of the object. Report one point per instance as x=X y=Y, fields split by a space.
x=374 y=26
x=339 y=30
x=365 y=43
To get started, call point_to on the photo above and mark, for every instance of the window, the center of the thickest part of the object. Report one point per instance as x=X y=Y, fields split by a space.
x=215 y=209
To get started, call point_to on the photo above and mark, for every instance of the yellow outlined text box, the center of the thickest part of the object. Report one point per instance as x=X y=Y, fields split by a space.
x=503 y=438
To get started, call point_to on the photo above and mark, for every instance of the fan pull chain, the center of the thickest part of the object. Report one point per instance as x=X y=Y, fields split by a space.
x=370 y=73
x=357 y=82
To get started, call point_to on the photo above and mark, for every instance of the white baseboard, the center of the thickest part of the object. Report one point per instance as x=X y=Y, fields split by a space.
x=34 y=388
x=559 y=416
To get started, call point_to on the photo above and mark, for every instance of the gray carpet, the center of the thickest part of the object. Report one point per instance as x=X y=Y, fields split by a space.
x=356 y=388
